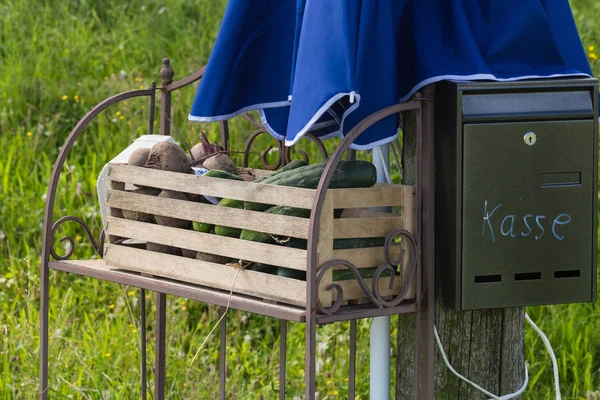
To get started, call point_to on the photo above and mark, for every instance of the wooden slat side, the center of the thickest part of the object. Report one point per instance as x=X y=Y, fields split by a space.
x=115 y=212
x=365 y=257
x=257 y=221
x=224 y=246
x=216 y=187
x=409 y=220
x=380 y=195
x=345 y=228
x=218 y=276
x=325 y=250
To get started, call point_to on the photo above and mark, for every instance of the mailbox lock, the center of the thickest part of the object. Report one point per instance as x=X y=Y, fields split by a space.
x=530 y=138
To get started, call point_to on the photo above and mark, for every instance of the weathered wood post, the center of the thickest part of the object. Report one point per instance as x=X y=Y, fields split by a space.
x=486 y=346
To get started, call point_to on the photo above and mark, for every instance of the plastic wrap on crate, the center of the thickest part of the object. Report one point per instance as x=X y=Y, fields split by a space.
x=143 y=142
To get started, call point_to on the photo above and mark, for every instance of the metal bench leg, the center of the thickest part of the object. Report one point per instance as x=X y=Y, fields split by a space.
x=44 y=331
x=159 y=352
x=282 y=357
x=143 y=371
x=223 y=357
x=352 y=374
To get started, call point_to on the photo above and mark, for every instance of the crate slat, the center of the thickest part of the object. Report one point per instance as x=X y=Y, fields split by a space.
x=218 y=276
x=216 y=187
x=380 y=195
x=187 y=210
x=208 y=243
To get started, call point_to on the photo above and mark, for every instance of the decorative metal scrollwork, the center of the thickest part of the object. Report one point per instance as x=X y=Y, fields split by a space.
x=284 y=152
x=373 y=294
x=98 y=245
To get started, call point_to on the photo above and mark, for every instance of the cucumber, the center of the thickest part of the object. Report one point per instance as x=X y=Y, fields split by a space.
x=263 y=237
x=264 y=268
x=348 y=174
x=217 y=173
x=202 y=227
x=225 y=230
x=295 y=243
x=213 y=173
x=292 y=165
x=358 y=243
x=338 y=244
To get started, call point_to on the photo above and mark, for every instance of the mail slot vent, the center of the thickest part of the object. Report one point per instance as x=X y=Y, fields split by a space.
x=572 y=273
x=516 y=190
x=488 y=278
x=528 y=276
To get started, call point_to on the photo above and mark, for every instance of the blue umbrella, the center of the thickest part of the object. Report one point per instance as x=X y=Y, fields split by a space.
x=322 y=66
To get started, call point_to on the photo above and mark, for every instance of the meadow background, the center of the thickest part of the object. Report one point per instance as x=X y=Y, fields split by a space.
x=57 y=60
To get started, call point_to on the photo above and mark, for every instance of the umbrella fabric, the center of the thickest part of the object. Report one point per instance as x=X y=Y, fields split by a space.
x=323 y=66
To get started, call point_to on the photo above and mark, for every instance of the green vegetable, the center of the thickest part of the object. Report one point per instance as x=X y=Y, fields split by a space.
x=348 y=174
x=263 y=237
x=338 y=244
x=259 y=267
x=214 y=173
x=202 y=227
x=217 y=173
x=292 y=165
x=225 y=230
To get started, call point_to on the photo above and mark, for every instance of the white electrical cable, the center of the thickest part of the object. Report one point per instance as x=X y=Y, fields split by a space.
x=551 y=352
x=493 y=396
x=524 y=386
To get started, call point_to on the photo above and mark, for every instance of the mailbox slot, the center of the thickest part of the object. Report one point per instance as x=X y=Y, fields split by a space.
x=516 y=192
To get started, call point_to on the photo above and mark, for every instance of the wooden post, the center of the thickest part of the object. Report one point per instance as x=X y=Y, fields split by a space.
x=166 y=77
x=486 y=346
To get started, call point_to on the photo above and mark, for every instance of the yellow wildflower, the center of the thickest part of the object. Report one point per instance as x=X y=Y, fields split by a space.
x=65 y=97
x=134 y=330
x=118 y=113
x=335 y=393
x=131 y=293
x=29 y=133
x=591 y=48
x=593 y=56
x=107 y=355
x=76 y=98
x=121 y=117
x=183 y=308
x=111 y=306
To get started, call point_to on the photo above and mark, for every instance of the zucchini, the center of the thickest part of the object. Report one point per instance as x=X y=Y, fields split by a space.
x=213 y=173
x=263 y=237
x=292 y=165
x=225 y=230
x=217 y=173
x=348 y=174
x=295 y=243
x=264 y=268
x=202 y=227
x=338 y=244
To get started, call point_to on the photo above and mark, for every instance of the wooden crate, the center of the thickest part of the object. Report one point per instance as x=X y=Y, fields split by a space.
x=352 y=224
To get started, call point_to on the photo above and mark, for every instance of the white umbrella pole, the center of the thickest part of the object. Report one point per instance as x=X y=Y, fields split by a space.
x=380 y=328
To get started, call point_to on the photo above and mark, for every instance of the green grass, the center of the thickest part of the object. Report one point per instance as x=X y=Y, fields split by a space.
x=56 y=62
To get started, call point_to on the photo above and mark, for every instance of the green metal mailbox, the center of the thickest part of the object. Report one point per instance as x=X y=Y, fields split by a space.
x=516 y=192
